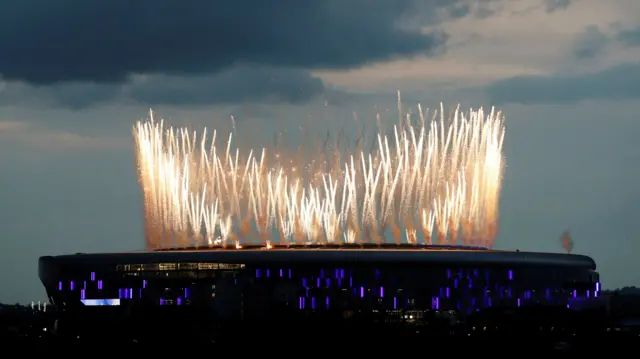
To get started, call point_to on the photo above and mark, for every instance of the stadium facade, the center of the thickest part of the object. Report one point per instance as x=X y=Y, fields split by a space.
x=389 y=283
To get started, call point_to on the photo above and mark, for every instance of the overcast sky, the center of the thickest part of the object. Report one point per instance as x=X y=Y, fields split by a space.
x=75 y=76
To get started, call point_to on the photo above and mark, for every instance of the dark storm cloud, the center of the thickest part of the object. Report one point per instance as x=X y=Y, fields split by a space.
x=236 y=85
x=44 y=42
x=73 y=95
x=239 y=84
x=629 y=37
x=617 y=83
x=555 y=5
x=480 y=9
x=590 y=43
x=458 y=9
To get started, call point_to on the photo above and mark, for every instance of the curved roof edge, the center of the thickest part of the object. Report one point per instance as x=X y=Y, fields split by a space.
x=357 y=255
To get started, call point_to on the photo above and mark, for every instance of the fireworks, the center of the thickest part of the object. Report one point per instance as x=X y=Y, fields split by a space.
x=429 y=180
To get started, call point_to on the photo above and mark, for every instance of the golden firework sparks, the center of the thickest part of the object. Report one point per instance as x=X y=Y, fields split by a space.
x=436 y=181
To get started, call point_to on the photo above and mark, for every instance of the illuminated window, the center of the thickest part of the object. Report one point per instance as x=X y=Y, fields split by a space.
x=167 y=266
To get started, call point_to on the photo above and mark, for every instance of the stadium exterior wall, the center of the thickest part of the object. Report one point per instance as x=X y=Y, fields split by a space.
x=252 y=283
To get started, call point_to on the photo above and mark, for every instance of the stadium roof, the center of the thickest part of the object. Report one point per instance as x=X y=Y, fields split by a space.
x=419 y=255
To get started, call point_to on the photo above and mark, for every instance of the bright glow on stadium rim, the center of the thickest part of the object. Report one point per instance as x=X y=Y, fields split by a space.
x=431 y=180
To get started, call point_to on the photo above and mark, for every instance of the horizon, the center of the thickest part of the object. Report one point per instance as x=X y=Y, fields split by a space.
x=564 y=73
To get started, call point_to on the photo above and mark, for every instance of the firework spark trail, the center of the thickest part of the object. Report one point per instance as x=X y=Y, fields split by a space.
x=437 y=181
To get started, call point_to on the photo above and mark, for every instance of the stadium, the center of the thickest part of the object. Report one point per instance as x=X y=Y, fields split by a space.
x=213 y=215
x=390 y=283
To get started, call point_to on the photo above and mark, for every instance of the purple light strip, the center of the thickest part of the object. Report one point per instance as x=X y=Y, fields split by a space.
x=522 y=296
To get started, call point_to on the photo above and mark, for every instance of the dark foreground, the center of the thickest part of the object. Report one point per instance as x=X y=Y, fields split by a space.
x=534 y=330
x=355 y=341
